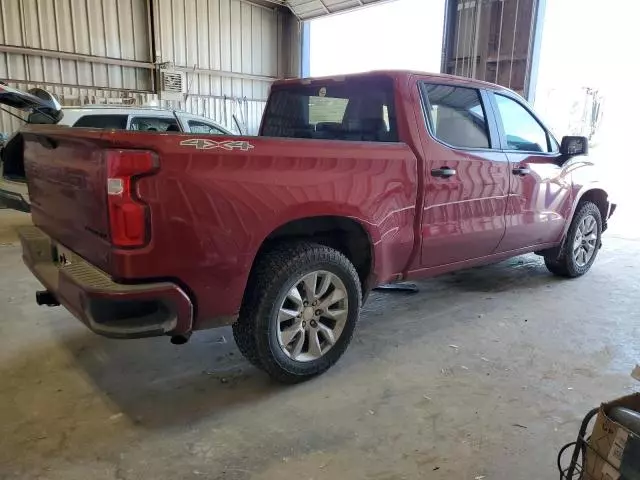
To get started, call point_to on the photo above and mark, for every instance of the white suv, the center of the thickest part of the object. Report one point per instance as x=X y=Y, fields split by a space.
x=149 y=119
x=44 y=109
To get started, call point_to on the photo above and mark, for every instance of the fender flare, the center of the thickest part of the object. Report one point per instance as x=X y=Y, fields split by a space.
x=323 y=209
x=318 y=210
x=581 y=193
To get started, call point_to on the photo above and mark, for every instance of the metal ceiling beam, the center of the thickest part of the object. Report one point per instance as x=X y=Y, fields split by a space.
x=324 y=6
x=259 y=3
x=75 y=56
x=222 y=73
x=309 y=9
x=39 y=52
x=26 y=84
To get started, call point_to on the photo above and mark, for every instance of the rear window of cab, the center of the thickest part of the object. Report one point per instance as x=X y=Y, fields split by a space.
x=356 y=109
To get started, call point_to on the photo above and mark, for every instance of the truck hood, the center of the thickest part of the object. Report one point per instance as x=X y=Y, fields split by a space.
x=35 y=101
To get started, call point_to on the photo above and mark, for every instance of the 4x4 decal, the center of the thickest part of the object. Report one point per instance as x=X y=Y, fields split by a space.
x=206 y=144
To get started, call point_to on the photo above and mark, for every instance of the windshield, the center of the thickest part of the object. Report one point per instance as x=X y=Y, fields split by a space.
x=356 y=110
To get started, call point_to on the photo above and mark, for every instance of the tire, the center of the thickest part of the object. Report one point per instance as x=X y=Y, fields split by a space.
x=566 y=264
x=243 y=334
x=262 y=329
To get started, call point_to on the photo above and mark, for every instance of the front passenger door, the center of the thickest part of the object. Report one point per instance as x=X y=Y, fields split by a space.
x=540 y=189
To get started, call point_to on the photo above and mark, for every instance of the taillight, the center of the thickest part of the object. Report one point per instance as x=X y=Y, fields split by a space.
x=128 y=215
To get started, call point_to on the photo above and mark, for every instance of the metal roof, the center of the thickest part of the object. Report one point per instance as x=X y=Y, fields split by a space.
x=399 y=73
x=310 y=9
x=102 y=106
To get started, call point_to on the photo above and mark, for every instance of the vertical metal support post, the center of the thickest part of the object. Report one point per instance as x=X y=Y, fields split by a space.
x=513 y=43
x=448 y=33
x=153 y=52
x=534 y=51
x=305 y=49
x=477 y=35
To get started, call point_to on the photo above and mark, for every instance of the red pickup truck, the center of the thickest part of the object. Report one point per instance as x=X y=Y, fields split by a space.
x=353 y=182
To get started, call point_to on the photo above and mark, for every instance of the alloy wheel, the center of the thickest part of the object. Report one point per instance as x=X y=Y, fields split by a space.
x=312 y=316
x=585 y=242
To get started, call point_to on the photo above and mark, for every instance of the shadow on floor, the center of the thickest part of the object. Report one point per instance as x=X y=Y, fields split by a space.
x=524 y=272
x=157 y=385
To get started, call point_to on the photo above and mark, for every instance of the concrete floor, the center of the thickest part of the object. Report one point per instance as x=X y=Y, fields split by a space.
x=483 y=374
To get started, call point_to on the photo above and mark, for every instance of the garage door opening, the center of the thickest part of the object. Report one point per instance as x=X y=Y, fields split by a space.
x=582 y=91
x=405 y=34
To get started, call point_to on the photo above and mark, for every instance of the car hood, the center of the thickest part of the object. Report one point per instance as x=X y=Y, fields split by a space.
x=35 y=101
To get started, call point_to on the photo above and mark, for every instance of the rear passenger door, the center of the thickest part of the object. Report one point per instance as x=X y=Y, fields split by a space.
x=540 y=189
x=466 y=178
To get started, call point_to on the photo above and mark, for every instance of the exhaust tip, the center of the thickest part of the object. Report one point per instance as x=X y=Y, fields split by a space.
x=45 y=297
x=180 y=339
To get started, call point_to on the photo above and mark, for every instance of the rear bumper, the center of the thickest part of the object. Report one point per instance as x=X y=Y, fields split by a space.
x=106 y=307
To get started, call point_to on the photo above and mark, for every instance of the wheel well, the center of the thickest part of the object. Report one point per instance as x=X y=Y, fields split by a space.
x=597 y=196
x=601 y=199
x=345 y=235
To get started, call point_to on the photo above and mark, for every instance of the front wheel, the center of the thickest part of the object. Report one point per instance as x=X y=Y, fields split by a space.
x=581 y=246
x=300 y=311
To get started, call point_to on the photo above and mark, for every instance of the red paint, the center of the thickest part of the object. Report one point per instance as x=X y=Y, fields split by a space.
x=211 y=209
x=539 y=203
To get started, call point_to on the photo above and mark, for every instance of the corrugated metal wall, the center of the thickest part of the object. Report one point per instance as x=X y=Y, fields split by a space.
x=491 y=40
x=238 y=60
x=231 y=51
x=102 y=28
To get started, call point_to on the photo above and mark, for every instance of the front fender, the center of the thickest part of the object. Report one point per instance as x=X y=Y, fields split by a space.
x=586 y=176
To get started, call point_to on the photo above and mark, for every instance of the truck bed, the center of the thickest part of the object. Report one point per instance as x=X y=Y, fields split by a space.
x=212 y=202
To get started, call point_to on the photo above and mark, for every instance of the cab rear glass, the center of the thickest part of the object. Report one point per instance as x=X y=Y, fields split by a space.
x=357 y=109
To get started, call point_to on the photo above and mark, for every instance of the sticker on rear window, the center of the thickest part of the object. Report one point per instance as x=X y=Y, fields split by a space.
x=206 y=144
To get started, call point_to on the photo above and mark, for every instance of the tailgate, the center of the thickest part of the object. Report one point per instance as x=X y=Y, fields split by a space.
x=66 y=176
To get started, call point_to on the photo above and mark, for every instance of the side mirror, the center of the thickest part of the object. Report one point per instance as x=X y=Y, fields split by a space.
x=572 y=146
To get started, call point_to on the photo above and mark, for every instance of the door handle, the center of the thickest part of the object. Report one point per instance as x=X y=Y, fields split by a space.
x=521 y=171
x=443 y=172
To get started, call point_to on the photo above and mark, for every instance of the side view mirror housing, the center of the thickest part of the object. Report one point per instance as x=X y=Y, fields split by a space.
x=573 y=145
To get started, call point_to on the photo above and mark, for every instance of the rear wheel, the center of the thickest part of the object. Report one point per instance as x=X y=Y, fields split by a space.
x=581 y=246
x=300 y=311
